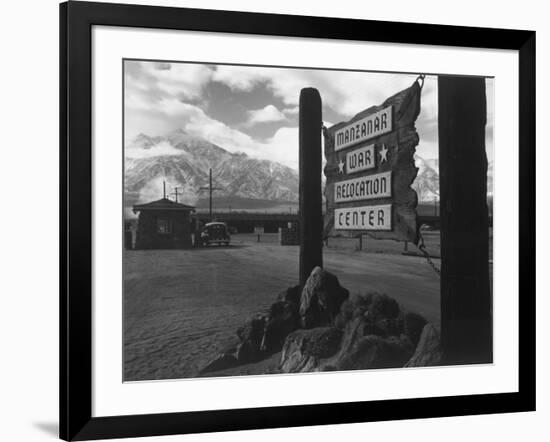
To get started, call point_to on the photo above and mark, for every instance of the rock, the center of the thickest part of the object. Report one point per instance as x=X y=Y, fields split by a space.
x=381 y=307
x=358 y=328
x=355 y=330
x=339 y=332
x=222 y=362
x=375 y=308
x=304 y=349
x=291 y=294
x=351 y=308
x=282 y=319
x=413 y=324
x=251 y=336
x=428 y=350
x=388 y=327
x=321 y=299
x=374 y=351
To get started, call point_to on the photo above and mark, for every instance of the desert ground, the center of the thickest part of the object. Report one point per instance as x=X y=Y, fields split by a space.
x=181 y=307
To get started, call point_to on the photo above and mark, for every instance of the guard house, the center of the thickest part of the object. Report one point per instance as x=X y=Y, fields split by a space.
x=163 y=224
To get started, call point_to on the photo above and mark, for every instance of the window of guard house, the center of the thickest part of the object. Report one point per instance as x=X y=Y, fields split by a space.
x=164 y=226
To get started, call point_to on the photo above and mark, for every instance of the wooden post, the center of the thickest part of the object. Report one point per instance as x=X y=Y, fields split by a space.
x=466 y=298
x=310 y=213
x=210 y=194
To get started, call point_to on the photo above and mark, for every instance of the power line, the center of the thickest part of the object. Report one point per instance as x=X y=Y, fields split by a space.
x=176 y=192
x=210 y=190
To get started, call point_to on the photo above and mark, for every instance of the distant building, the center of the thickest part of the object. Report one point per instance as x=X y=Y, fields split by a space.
x=163 y=224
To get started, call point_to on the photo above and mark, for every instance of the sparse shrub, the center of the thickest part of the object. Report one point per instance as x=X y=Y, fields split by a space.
x=354 y=307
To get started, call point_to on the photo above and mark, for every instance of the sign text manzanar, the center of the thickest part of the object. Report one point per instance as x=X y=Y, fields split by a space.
x=370 y=168
x=364 y=129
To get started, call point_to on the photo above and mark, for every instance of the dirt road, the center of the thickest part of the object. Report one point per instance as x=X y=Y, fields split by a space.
x=182 y=306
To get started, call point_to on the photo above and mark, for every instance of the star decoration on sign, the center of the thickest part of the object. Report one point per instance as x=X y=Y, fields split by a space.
x=383 y=153
x=340 y=166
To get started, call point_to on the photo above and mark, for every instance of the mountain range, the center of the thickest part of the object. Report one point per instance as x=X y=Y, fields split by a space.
x=426 y=183
x=183 y=161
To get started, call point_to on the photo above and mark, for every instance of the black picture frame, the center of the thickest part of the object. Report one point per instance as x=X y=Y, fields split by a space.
x=76 y=21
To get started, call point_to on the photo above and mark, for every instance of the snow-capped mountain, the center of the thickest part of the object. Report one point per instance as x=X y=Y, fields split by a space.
x=426 y=183
x=183 y=161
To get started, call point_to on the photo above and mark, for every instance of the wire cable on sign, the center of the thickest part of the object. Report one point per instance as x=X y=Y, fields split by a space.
x=420 y=80
x=422 y=248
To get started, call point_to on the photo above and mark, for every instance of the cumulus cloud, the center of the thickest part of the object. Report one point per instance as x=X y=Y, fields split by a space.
x=150 y=89
x=291 y=111
x=161 y=148
x=283 y=147
x=161 y=97
x=345 y=92
x=154 y=105
x=161 y=112
x=240 y=78
x=174 y=79
x=267 y=114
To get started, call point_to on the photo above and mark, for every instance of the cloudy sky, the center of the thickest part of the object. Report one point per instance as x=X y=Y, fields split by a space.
x=255 y=109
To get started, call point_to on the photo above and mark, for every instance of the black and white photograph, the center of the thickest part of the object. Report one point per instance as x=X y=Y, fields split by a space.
x=285 y=220
x=275 y=221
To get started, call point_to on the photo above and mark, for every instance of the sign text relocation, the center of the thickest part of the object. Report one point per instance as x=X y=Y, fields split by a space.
x=363 y=188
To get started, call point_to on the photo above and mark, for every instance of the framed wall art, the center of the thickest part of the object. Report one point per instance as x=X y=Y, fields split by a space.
x=273 y=220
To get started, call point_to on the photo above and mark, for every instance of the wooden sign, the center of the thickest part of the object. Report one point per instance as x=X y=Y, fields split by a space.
x=258 y=230
x=370 y=168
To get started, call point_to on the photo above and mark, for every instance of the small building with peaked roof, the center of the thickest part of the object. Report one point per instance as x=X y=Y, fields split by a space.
x=163 y=224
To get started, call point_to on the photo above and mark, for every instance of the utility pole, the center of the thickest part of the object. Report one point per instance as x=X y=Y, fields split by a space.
x=176 y=192
x=164 y=189
x=210 y=190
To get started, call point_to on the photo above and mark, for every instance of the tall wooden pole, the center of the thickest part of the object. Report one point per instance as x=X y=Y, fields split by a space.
x=310 y=213
x=210 y=200
x=210 y=189
x=466 y=297
x=176 y=193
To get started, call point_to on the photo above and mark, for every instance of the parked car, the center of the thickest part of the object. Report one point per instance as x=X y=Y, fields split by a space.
x=215 y=233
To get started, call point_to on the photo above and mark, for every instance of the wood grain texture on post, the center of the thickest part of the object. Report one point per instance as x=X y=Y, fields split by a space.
x=466 y=298
x=311 y=216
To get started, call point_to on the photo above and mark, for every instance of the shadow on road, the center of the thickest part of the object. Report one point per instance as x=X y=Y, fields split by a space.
x=214 y=248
